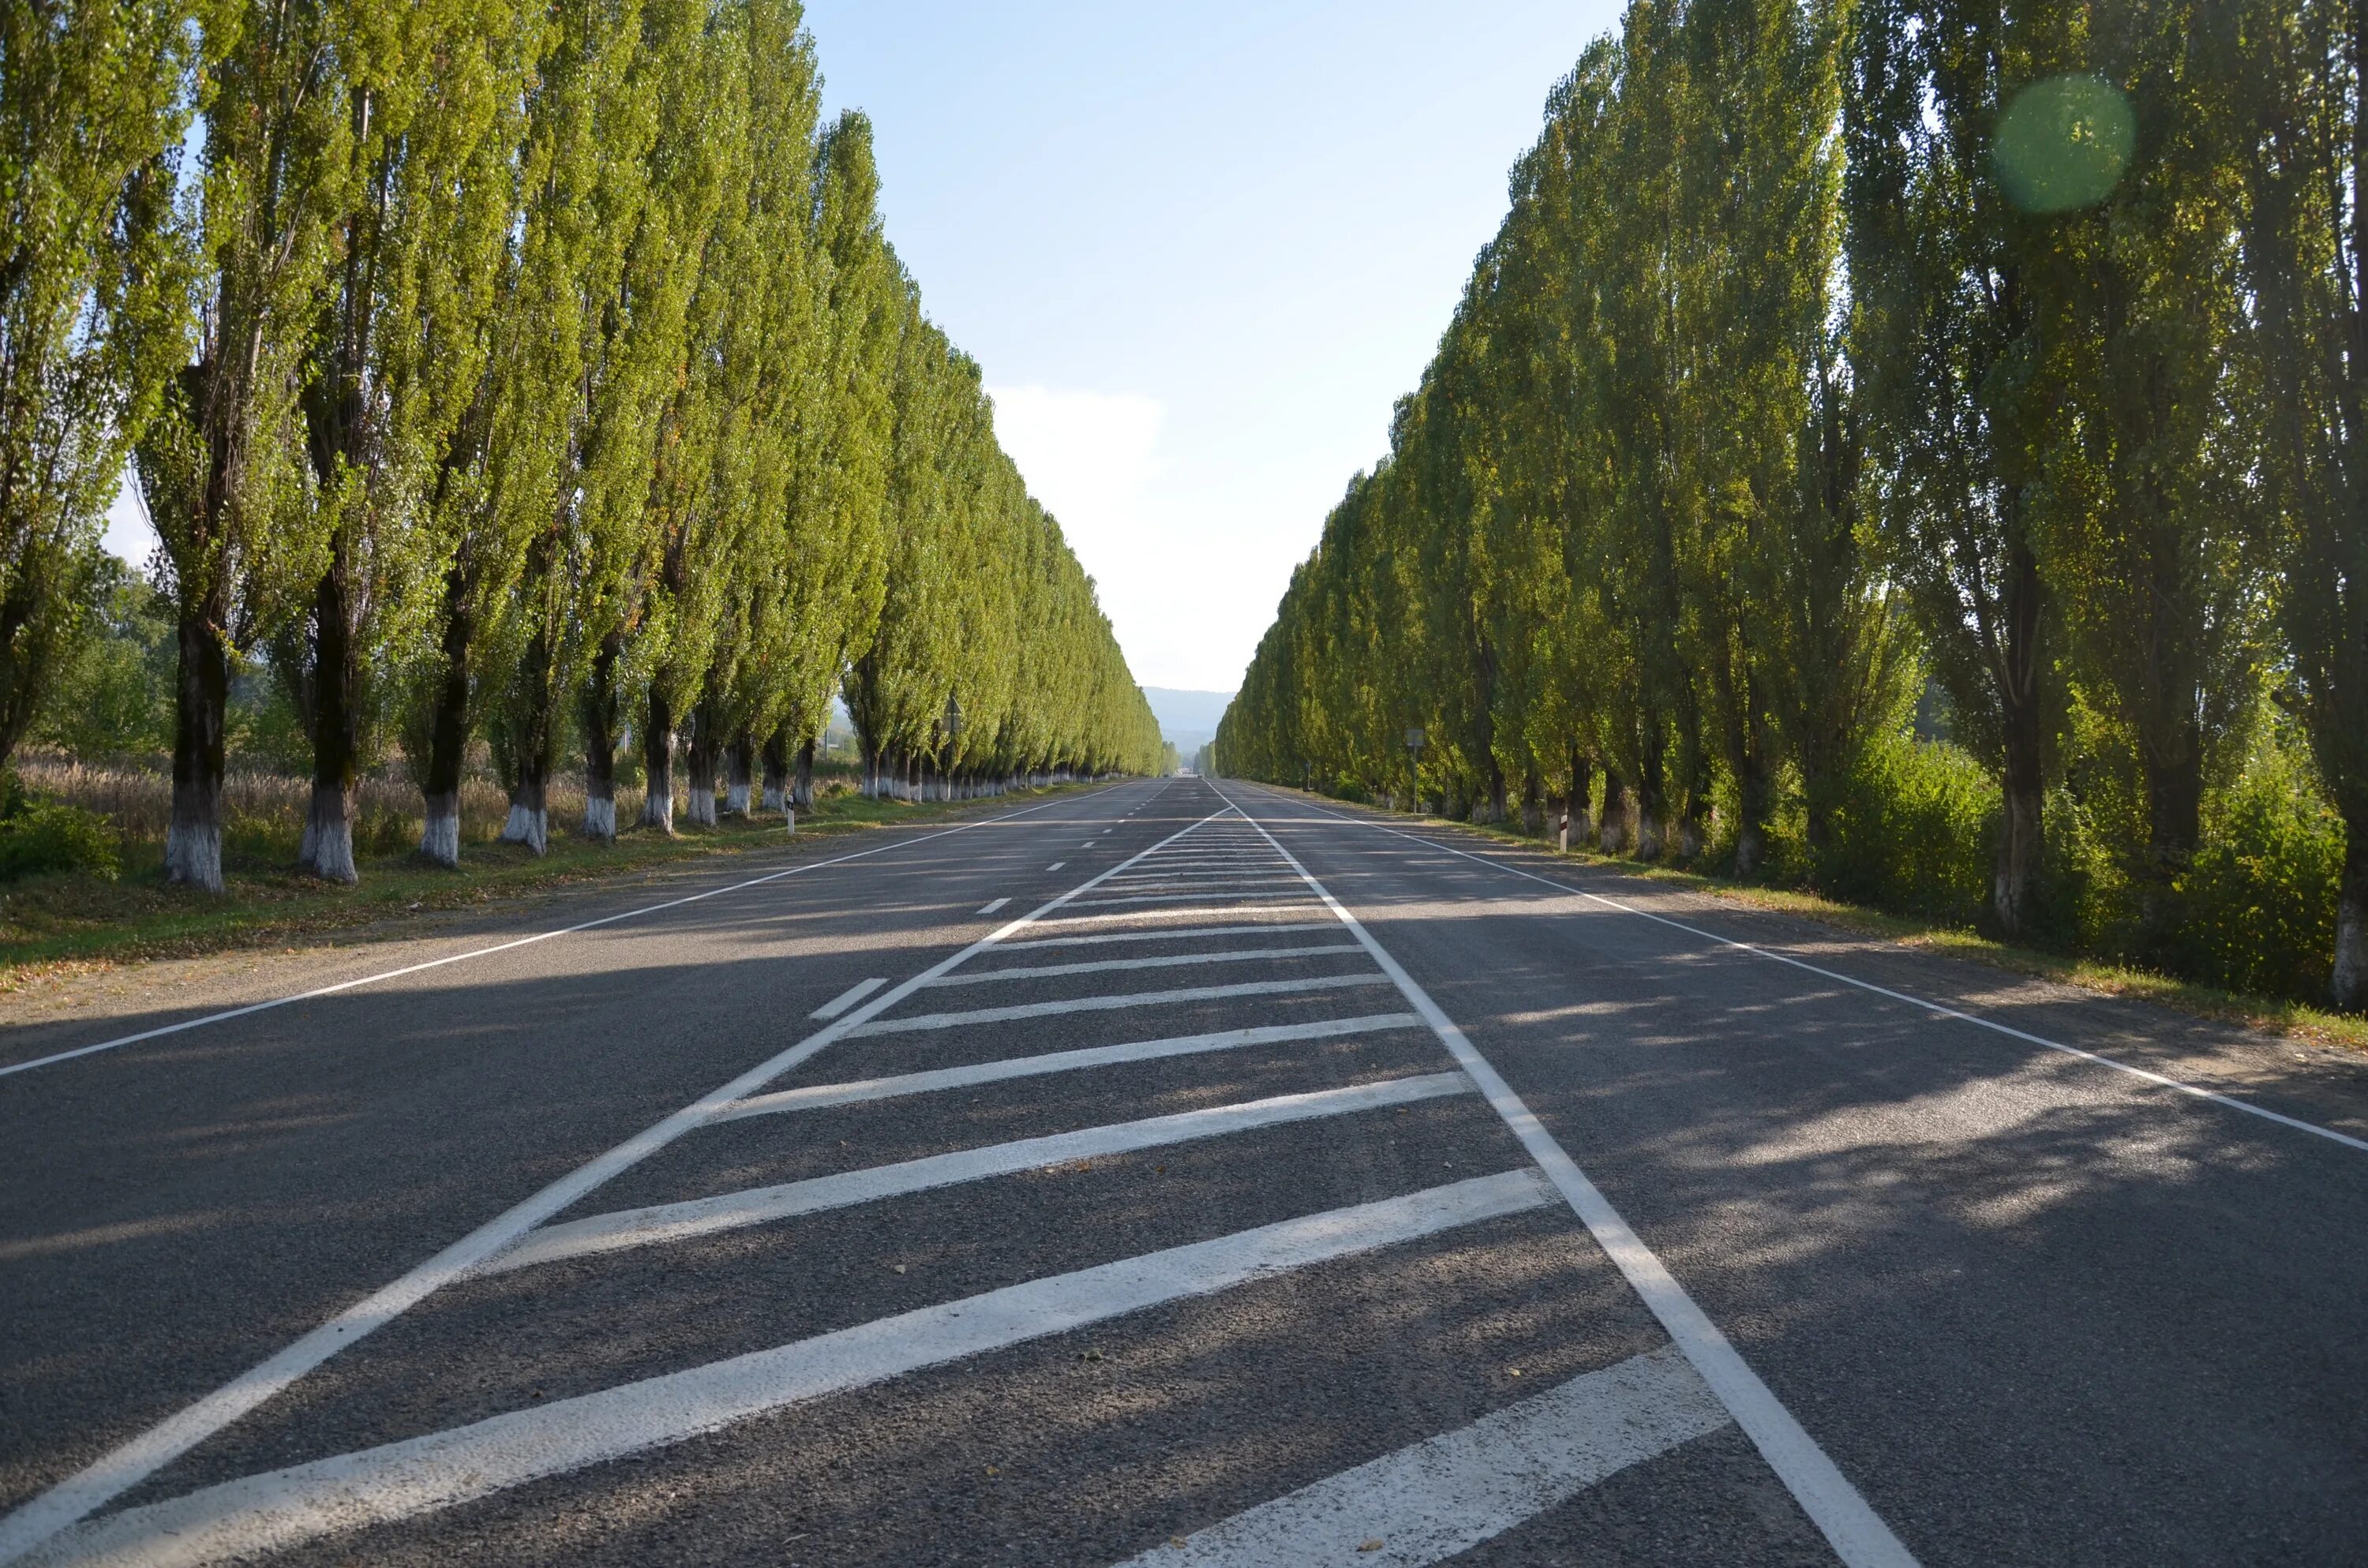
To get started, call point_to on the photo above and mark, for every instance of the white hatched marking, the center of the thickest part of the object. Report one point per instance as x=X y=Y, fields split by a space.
x=1056 y=865
x=1166 y=960
x=374 y=1486
x=1171 y=934
x=991 y=908
x=1289 y=893
x=663 y=1222
x=1105 y=1004
x=1433 y=1499
x=848 y=998
x=816 y=1096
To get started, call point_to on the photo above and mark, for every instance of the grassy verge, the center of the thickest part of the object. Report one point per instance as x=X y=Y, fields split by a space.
x=2271 y=1014
x=58 y=924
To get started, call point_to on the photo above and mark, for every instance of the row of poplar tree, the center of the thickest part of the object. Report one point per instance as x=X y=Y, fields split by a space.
x=513 y=370
x=2009 y=351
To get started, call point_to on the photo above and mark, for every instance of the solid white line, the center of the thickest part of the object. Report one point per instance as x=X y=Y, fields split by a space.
x=848 y=998
x=991 y=908
x=283 y=1508
x=1937 y=1008
x=1856 y=1532
x=137 y=1457
x=321 y=991
x=662 y=1222
x=816 y=1096
x=919 y=1021
x=1166 y=960
x=1434 y=1499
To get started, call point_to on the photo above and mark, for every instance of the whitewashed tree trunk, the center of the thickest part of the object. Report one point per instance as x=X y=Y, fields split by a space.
x=527 y=825
x=440 y=837
x=600 y=818
x=328 y=847
x=193 y=855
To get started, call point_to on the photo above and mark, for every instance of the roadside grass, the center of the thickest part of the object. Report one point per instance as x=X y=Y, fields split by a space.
x=66 y=923
x=2270 y=1014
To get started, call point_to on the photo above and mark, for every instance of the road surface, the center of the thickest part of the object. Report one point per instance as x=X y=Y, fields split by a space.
x=1178 y=1173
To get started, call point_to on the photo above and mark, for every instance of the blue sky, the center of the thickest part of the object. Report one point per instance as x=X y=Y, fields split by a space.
x=1198 y=250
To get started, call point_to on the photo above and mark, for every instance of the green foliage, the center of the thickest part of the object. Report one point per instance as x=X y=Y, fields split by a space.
x=110 y=700
x=50 y=836
x=2262 y=894
x=1912 y=830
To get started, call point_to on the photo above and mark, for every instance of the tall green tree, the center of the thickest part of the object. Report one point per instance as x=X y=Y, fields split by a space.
x=95 y=99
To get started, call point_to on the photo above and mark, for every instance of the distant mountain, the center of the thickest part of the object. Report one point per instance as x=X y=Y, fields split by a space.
x=1187 y=719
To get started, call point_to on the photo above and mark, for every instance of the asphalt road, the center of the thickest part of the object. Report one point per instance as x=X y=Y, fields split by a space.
x=1175 y=1174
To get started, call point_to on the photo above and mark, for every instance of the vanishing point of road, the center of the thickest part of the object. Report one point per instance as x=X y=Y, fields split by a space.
x=1175 y=1173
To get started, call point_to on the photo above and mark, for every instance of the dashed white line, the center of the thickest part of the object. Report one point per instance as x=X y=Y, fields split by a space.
x=848 y=998
x=1166 y=960
x=663 y=1222
x=284 y=1508
x=1172 y=934
x=991 y=908
x=1056 y=865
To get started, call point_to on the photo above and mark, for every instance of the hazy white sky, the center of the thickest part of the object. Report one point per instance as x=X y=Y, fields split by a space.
x=1198 y=250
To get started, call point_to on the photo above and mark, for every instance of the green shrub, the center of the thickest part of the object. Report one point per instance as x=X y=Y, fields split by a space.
x=2261 y=898
x=49 y=835
x=1912 y=832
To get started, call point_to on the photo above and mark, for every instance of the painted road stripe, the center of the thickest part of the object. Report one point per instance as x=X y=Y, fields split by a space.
x=344 y=986
x=1166 y=960
x=919 y=1021
x=134 y=1459
x=1173 y=934
x=1066 y=921
x=1940 y=1009
x=663 y=1222
x=848 y=998
x=1852 y=1527
x=283 y=1508
x=991 y=908
x=1434 y=1499
x=1245 y=897
x=1056 y=865
x=816 y=1096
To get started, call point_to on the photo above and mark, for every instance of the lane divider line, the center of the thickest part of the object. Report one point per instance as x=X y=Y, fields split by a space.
x=1433 y=1499
x=1851 y=1525
x=662 y=1222
x=283 y=1508
x=1171 y=934
x=815 y=1096
x=137 y=1457
x=1938 y=1009
x=848 y=998
x=321 y=991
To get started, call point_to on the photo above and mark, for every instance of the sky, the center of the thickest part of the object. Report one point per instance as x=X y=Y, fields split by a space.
x=1199 y=251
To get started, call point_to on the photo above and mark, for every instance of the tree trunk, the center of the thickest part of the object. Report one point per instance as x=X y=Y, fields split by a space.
x=1652 y=805
x=601 y=742
x=2174 y=824
x=777 y=770
x=2014 y=889
x=200 y=693
x=1615 y=837
x=447 y=731
x=328 y=847
x=739 y=773
x=530 y=821
x=801 y=794
x=2348 y=986
x=702 y=754
x=657 y=761
x=1582 y=796
x=1534 y=810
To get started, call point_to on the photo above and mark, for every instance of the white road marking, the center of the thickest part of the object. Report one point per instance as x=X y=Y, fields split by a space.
x=1141 y=914
x=1432 y=1500
x=141 y=1456
x=1853 y=1530
x=283 y=1508
x=920 y=1021
x=663 y=1222
x=815 y=1096
x=1166 y=960
x=1172 y=934
x=343 y=986
x=1940 y=1009
x=1247 y=897
x=1056 y=865
x=848 y=998
x=991 y=908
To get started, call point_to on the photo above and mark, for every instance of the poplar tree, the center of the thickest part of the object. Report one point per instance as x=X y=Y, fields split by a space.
x=94 y=101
